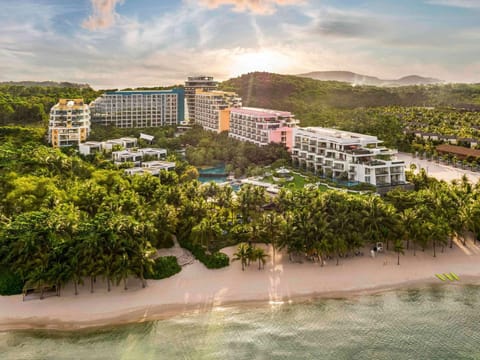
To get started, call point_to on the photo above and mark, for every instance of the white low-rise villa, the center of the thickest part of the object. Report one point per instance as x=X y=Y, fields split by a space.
x=346 y=156
x=124 y=156
x=151 y=167
x=90 y=147
x=153 y=153
x=124 y=143
x=138 y=155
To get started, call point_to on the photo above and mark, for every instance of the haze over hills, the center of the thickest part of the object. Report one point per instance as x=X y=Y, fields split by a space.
x=46 y=84
x=312 y=99
x=359 y=79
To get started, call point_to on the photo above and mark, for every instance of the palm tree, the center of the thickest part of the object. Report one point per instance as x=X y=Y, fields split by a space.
x=271 y=223
x=259 y=254
x=206 y=231
x=399 y=249
x=408 y=219
x=243 y=254
x=378 y=220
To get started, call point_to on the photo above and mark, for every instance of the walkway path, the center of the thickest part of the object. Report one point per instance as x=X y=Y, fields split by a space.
x=184 y=257
x=437 y=170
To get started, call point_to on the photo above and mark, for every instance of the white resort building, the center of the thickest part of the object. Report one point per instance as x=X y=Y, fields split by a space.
x=139 y=109
x=346 y=156
x=151 y=167
x=212 y=109
x=91 y=147
x=69 y=123
x=262 y=126
x=139 y=155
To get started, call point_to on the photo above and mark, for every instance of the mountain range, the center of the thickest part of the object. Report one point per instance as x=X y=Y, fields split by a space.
x=46 y=84
x=359 y=79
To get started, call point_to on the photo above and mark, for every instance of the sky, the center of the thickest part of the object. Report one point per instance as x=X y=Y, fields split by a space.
x=129 y=43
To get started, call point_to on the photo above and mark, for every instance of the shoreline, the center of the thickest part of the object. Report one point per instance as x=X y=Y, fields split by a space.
x=162 y=312
x=196 y=289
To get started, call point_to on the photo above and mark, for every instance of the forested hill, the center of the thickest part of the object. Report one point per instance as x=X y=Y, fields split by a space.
x=21 y=105
x=359 y=79
x=300 y=95
x=46 y=84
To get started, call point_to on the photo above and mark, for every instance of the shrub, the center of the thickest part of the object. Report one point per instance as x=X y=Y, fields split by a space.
x=10 y=283
x=164 y=267
x=216 y=260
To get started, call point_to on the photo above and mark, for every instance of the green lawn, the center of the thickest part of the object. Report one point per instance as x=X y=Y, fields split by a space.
x=298 y=181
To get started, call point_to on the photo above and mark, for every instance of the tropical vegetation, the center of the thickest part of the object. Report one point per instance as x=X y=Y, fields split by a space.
x=71 y=219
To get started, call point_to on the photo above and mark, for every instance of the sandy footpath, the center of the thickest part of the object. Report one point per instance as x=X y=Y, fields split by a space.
x=196 y=288
x=437 y=170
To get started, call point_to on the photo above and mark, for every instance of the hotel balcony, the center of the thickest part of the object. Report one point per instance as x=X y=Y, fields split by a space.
x=396 y=170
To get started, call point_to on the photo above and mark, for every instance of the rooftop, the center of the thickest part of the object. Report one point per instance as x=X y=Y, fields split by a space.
x=261 y=112
x=70 y=104
x=340 y=135
x=215 y=93
x=145 y=92
x=458 y=150
x=200 y=77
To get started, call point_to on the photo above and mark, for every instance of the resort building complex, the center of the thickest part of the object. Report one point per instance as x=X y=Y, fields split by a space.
x=69 y=123
x=151 y=167
x=193 y=84
x=139 y=109
x=262 y=126
x=212 y=109
x=346 y=156
x=92 y=147
x=139 y=155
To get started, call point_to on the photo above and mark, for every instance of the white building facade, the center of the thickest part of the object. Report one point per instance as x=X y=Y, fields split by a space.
x=346 y=156
x=139 y=109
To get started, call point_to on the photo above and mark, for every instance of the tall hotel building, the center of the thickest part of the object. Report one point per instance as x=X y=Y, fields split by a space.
x=347 y=156
x=212 y=109
x=262 y=126
x=139 y=109
x=69 y=123
x=193 y=84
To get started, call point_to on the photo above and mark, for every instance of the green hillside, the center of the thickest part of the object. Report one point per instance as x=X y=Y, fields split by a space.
x=384 y=112
x=22 y=105
x=306 y=97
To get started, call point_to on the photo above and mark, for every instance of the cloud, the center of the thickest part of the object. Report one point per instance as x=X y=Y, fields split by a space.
x=467 y=4
x=262 y=7
x=103 y=15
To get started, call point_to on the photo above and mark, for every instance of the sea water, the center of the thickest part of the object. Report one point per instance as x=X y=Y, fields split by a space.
x=435 y=322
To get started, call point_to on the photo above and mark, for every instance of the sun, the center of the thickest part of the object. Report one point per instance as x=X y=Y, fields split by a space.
x=263 y=60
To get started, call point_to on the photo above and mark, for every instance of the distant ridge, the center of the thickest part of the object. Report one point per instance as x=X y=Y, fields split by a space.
x=46 y=84
x=359 y=79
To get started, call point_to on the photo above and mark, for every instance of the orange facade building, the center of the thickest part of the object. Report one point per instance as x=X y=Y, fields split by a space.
x=69 y=123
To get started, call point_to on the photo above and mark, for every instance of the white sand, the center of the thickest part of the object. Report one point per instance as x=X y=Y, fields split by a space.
x=438 y=171
x=197 y=288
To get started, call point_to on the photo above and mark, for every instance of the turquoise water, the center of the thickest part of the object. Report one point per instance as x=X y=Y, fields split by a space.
x=220 y=170
x=431 y=323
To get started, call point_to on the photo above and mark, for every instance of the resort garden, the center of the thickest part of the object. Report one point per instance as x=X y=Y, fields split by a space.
x=65 y=219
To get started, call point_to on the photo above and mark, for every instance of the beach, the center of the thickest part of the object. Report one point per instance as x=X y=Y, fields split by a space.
x=196 y=288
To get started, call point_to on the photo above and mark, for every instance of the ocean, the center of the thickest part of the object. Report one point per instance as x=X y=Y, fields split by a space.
x=434 y=322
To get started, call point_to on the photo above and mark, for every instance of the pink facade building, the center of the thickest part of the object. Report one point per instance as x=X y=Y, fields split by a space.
x=262 y=126
x=283 y=135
